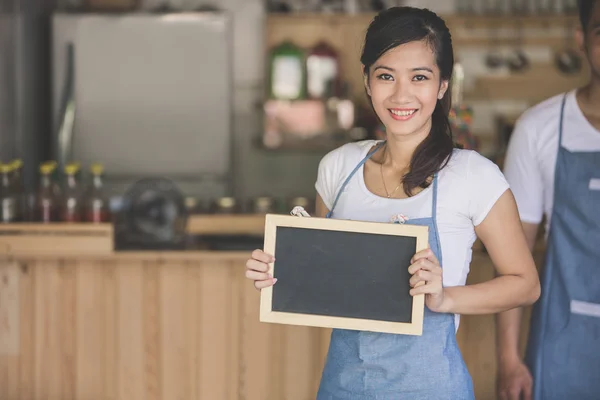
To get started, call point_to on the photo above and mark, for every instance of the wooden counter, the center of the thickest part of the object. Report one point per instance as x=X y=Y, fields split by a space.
x=78 y=321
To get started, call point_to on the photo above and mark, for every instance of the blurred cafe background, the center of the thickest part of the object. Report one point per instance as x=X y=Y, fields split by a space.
x=141 y=144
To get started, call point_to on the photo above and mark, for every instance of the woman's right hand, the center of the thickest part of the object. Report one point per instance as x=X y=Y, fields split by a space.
x=514 y=381
x=257 y=269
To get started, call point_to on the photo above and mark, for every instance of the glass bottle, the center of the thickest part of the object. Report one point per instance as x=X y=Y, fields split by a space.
x=8 y=199
x=322 y=72
x=287 y=72
x=96 y=202
x=71 y=208
x=48 y=195
x=19 y=188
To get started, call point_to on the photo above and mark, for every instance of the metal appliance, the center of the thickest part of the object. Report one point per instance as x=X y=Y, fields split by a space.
x=146 y=95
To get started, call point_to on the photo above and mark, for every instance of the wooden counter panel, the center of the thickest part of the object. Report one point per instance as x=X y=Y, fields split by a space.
x=136 y=329
x=176 y=327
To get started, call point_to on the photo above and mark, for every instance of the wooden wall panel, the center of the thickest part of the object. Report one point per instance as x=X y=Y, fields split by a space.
x=129 y=328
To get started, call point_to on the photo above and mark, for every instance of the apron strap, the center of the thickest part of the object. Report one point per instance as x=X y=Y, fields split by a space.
x=561 y=123
x=434 y=214
x=360 y=164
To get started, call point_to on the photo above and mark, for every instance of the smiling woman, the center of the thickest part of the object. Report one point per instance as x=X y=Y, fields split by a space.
x=458 y=194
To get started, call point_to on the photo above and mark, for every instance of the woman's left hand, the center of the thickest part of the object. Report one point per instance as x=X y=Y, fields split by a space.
x=426 y=271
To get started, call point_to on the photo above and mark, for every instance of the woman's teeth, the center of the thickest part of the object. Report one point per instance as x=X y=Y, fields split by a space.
x=402 y=113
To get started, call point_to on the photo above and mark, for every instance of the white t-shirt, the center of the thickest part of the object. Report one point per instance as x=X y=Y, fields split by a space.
x=531 y=155
x=468 y=187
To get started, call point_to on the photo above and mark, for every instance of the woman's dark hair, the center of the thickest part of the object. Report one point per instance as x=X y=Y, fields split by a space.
x=400 y=25
x=585 y=12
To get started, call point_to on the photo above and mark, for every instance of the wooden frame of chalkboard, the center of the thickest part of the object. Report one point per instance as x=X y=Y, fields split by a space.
x=301 y=244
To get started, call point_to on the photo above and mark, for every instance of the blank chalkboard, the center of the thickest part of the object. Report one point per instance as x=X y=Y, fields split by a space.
x=342 y=274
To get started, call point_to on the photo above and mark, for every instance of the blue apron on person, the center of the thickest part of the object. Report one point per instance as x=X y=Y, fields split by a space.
x=364 y=365
x=563 y=352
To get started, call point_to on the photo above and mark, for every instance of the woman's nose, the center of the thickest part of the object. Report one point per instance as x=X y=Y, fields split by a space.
x=402 y=93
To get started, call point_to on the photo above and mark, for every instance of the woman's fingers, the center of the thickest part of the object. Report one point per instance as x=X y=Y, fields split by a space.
x=427 y=253
x=257 y=269
x=263 y=284
x=429 y=288
x=257 y=276
x=257 y=265
x=424 y=264
x=422 y=276
x=260 y=255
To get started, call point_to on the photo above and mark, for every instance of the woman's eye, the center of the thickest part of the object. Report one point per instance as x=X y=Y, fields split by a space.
x=420 y=78
x=385 y=77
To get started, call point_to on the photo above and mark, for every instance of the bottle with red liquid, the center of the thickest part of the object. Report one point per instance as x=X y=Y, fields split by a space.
x=19 y=189
x=71 y=209
x=96 y=202
x=47 y=203
x=9 y=200
x=323 y=72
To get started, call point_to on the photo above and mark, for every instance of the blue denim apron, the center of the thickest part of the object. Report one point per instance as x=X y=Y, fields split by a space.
x=564 y=342
x=379 y=366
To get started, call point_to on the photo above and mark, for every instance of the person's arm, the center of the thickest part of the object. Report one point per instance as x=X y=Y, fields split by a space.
x=517 y=283
x=321 y=209
x=508 y=323
x=523 y=173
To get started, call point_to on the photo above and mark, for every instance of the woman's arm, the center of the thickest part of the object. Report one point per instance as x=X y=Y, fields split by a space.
x=321 y=209
x=517 y=283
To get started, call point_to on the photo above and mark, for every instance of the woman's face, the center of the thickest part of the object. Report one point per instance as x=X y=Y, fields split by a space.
x=404 y=85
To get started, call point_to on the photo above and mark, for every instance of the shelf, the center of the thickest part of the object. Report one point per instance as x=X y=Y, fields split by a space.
x=345 y=33
x=451 y=19
x=235 y=224
x=534 y=85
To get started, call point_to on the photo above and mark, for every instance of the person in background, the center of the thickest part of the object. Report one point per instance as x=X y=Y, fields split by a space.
x=417 y=172
x=553 y=167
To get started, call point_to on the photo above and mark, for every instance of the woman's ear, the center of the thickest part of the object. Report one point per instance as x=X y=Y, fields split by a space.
x=443 y=89
x=366 y=80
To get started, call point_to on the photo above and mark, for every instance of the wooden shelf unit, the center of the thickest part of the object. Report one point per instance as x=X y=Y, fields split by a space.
x=345 y=33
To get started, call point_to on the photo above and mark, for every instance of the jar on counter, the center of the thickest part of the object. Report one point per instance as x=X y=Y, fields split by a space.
x=263 y=205
x=225 y=205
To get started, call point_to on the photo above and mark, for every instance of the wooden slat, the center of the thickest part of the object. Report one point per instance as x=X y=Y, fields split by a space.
x=174 y=345
x=156 y=329
x=214 y=334
x=10 y=329
x=256 y=346
x=91 y=335
x=28 y=331
x=130 y=334
x=9 y=309
x=300 y=351
x=49 y=383
x=236 y=280
x=109 y=328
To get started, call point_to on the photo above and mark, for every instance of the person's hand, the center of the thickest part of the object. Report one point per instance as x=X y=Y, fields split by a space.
x=257 y=268
x=427 y=279
x=514 y=380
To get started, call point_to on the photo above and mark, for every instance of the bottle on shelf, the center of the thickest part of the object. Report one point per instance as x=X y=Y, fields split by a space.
x=19 y=188
x=322 y=72
x=71 y=205
x=9 y=201
x=47 y=204
x=287 y=79
x=96 y=202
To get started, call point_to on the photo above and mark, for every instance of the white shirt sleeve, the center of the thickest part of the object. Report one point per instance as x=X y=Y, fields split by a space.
x=486 y=184
x=522 y=171
x=328 y=176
